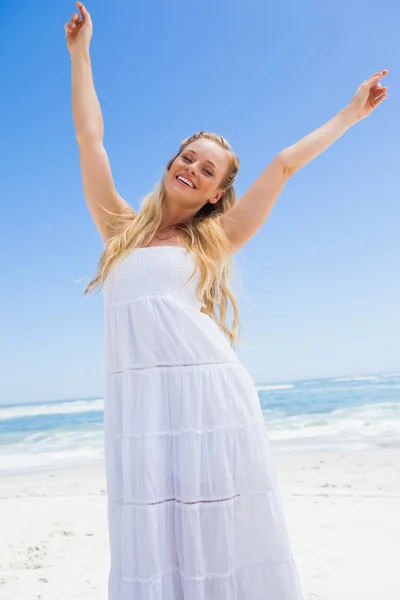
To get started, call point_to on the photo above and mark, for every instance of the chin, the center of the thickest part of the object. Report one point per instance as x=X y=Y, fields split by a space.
x=174 y=188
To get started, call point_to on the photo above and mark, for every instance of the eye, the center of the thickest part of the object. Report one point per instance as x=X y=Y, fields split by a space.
x=210 y=173
x=187 y=158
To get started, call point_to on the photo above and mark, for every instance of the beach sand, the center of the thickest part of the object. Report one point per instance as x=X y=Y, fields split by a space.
x=343 y=514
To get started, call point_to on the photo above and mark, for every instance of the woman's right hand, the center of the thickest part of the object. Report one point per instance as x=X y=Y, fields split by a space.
x=78 y=30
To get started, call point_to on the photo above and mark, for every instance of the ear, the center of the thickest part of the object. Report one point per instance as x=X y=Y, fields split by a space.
x=217 y=197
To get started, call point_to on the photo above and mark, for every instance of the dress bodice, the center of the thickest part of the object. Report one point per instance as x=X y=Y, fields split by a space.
x=155 y=270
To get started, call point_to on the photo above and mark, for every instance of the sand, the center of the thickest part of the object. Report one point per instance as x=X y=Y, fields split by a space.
x=343 y=514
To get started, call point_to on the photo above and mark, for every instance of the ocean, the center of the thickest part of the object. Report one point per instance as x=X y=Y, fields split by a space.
x=336 y=414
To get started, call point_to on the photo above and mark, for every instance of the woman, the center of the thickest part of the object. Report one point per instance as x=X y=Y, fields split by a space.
x=194 y=512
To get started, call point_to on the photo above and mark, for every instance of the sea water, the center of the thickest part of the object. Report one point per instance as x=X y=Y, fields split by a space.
x=342 y=413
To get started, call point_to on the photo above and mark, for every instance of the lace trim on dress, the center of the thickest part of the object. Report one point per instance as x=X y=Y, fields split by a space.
x=194 y=502
x=267 y=490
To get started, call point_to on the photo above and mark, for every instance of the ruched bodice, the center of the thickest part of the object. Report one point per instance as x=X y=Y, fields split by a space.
x=153 y=317
x=156 y=270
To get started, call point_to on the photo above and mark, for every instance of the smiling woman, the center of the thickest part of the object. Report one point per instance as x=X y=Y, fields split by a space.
x=186 y=209
x=193 y=507
x=194 y=164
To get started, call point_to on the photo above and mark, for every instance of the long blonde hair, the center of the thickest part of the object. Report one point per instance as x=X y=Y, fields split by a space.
x=202 y=236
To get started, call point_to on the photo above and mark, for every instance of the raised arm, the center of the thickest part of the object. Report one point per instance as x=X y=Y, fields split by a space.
x=98 y=183
x=246 y=217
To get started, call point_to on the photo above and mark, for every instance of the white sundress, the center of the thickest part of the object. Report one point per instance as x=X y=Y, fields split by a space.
x=193 y=508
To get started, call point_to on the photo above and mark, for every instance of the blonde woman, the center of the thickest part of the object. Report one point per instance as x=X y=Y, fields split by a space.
x=194 y=512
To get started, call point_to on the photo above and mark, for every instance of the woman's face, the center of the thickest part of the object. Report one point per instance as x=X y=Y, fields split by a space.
x=196 y=174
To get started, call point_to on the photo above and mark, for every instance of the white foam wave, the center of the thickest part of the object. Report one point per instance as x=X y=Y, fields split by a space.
x=262 y=388
x=25 y=461
x=53 y=447
x=377 y=377
x=63 y=408
x=365 y=426
x=370 y=425
x=359 y=378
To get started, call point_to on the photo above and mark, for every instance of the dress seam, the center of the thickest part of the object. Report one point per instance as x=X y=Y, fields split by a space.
x=173 y=366
x=193 y=430
x=200 y=578
x=168 y=295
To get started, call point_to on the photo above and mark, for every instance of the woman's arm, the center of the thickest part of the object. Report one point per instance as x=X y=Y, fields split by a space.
x=302 y=152
x=98 y=184
x=367 y=97
x=244 y=219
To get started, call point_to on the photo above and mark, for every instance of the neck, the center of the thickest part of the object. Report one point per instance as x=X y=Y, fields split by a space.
x=174 y=214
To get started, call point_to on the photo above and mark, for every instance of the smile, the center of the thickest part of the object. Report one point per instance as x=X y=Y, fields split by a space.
x=186 y=181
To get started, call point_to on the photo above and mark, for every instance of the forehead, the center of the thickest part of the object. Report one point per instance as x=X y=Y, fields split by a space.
x=209 y=150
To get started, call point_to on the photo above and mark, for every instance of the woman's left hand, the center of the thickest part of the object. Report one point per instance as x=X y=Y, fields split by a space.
x=368 y=96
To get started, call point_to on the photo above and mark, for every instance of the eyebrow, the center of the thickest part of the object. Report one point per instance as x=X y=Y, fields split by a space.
x=207 y=161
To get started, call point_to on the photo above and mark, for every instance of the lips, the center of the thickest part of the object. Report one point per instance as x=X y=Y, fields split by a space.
x=184 y=176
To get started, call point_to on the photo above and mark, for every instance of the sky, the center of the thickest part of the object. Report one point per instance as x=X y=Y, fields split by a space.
x=318 y=285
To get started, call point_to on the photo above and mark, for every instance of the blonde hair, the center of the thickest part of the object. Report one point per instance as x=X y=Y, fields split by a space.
x=202 y=236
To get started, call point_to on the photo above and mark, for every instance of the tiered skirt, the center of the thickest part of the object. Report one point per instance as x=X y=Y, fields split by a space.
x=194 y=511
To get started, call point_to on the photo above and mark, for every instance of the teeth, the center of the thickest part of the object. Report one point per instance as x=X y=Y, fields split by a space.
x=185 y=181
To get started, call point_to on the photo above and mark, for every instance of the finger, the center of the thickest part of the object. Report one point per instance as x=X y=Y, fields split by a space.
x=377 y=76
x=74 y=21
x=81 y=9
x=85 y=14
x=378 y=89
x=375 y=92
x=371 y=81
x=380 y=99
x=370 y=84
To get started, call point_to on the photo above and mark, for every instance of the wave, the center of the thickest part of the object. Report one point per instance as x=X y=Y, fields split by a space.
x=378 y=377
x=55 y=447
x=262 y=388
x=343 y=429
x=62 y=408
x=26 y=461
x=360 y=378
x=363 y=426
x=341 y=414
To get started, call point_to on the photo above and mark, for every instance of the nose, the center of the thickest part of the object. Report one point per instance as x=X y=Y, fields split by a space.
x=191 y=168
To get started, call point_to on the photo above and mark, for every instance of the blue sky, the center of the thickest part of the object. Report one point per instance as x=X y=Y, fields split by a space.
x=318 y=285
